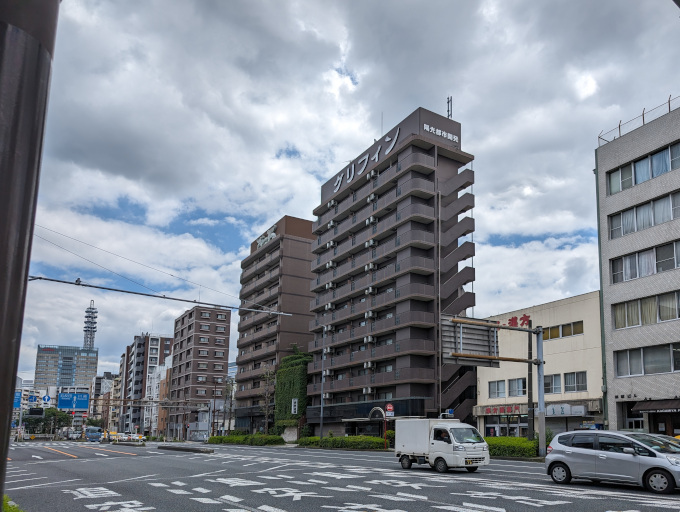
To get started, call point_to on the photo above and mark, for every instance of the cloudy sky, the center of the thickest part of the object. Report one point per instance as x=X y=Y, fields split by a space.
x=178 y=132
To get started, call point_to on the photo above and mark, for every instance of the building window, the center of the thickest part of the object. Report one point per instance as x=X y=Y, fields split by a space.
x=202 y=366
x=575 y=381
x=517 y=387
x=646 y=263
x=205 y=327
x=220 y=328
x=649 y=310
x=201 y=392
x=203 y=339
x=497 y=389
x=219 y=353
x=221 y=316
x=205 y=314
x=202 y=378
x=219 y=366
x=552 y=383
x=563 y=331
x=202 y=352
x=645 y=216
x=653 y=166
x=219 y=341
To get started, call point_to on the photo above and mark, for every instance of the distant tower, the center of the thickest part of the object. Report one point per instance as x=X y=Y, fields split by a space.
x=90 y=326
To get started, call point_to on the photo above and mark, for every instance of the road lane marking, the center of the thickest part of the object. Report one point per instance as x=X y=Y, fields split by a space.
x=58 y=451
x=41 y=485
x=101 y=454
x=112 y=451
x=36 y=457
x=27 y=479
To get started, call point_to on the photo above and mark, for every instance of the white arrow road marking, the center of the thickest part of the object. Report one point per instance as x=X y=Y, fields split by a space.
x=36 y=457
x=100 y=454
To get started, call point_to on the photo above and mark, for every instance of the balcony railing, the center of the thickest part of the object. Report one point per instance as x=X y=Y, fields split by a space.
x=270 y=259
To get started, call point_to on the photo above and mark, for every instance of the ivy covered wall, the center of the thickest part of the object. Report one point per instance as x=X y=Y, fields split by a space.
x=291 y=382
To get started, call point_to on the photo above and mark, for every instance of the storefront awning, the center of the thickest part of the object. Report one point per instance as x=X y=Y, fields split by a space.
x=657 y=406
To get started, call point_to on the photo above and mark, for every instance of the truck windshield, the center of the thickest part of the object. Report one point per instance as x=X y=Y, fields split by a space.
x=466 y=435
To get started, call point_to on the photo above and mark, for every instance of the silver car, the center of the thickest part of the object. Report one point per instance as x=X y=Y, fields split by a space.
x=625 y=457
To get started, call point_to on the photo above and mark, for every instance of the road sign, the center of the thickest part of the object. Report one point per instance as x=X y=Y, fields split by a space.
x=14 y=424
x=84 y=415
x=32 y=399
x=17 y=399
x=77 y=401
x=46 y=399
x=389 y=414
x=389 y=408
x=461 y=339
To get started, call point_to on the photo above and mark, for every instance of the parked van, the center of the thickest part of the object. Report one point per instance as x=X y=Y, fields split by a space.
x=441 y=443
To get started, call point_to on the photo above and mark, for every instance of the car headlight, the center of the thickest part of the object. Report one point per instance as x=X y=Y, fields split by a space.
x=485 y=448
x=459 y=448
x=673 y=460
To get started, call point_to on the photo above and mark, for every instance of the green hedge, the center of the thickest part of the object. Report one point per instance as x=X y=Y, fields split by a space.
x=354 y=442
x=252 y=440
x=7 y=507
x=308 y=441
x=512 y=447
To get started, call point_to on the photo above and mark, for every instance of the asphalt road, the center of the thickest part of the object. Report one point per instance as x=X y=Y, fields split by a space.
x=74 y=477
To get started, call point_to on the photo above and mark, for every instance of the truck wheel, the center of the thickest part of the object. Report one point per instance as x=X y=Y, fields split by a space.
x=440 y=466
x=405 y=462
x=471 y=469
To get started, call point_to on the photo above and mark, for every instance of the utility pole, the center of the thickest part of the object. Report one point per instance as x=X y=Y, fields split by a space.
x=27 y=33
x=530 y=388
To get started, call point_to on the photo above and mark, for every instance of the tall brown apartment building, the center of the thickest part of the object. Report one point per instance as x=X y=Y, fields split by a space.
x=387 y=260
x=199 y=367
x=275 y=277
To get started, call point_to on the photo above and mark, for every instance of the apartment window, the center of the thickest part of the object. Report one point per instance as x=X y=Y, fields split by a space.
x=218 y=392
x=205 y=314
x=203 y=339
x=219 y=353
x=201 y=392
x=219 y=366
x=645 y=216
x=205 y=327
x=563 y=331
x=552 y=383
x=649 y=310
x=497 y=389
x=221 y=316
x=621 y=179
x=220 y=328
x=202 y=378
x=575 y=381
x=517 y=387
x=219 y=341
x=202 y=366
x=202 y=352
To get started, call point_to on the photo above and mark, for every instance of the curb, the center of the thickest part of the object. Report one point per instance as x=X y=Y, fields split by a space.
x=186 y=449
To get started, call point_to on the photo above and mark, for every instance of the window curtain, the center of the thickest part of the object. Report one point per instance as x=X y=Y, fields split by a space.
x=668 y=307
x=657 y=359
x=662 y=210
x=644 y=216
x=660 y=163
x=646 y=263
x=648 y=310
x=642 y=170
x=629 y=221
x=614 y=227
x=630 y=267
x=570 y=382
x=581 y=383
x=619 y=316
x=626 y=176
x=675 y=156
x=635 y=361
x=676 y=205
x=632 y=313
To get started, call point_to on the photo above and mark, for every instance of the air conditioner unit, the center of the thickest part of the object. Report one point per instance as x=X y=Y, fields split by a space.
x=369 y=339
x=331 y=264
x=371 y=198
x=367 y=391
x=327 y=350
x=370 y=291
x=369 y=314
x=329 y=306
x=370 y=266
x=368 y=364
x=330 y=286
x=370 y=243
x=371 y=175
x=332 y=203
x=330 y=244
x=328 y=395
x=331 y=224
x=371 y=220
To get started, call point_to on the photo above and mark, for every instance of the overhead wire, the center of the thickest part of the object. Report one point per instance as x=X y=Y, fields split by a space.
x=141 y=264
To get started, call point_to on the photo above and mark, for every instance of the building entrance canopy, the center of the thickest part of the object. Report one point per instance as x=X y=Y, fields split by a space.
x=655 y=406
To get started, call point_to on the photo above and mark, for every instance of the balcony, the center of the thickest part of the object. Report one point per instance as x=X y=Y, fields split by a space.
x=249 y=393
x=397 y=376
x=250 y=374
x=269 y=277
x=256 y=336
x=254 y=256
x=254 y=319
x=269 y=260
x=255 y=354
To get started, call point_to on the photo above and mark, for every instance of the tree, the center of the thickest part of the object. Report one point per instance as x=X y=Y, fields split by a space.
x=269 y=378
x=94 y=422
x=53 y=420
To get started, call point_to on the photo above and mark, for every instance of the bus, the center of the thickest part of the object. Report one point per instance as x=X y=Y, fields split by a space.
x=93 y=434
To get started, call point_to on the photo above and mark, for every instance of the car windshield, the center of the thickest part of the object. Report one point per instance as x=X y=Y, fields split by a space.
x=656 y=443
x=466 y=435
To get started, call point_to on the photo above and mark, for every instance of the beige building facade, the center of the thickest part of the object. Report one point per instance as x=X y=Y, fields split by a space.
x=573 y=381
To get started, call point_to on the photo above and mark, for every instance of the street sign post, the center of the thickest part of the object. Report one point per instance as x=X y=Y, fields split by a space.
x=32 y=399
x=389 y=411
x=46 y=399
x=17 y=400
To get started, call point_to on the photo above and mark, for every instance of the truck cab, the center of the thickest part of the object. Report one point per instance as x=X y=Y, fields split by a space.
x=441 y=443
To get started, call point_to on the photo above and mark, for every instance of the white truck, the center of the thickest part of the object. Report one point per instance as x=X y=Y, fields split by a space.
x=442 y=443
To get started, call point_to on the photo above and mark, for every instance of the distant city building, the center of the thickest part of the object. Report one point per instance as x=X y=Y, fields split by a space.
x=63 y=366
x=572 y=351
x=275 y=277
x=153 y=396
x=138 y=363
x=388 y=262
x=101 y=385
x=164 y=410
x=199 y=366
x=638 y=204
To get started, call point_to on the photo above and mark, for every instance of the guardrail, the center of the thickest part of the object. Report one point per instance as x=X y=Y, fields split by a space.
x=638 y=121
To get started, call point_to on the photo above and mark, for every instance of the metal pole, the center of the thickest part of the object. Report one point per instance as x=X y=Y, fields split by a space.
x=323 y=347
x=541 y=395
x=530 y=388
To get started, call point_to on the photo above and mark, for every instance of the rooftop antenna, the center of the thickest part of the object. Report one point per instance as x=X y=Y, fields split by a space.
x=449 y=107
x=90 y=326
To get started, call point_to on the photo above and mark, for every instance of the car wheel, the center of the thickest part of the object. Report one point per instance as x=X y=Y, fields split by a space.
x=471 y=469
x=659 y=481
x=405 y=462
x=560 y=473
x=440 y=466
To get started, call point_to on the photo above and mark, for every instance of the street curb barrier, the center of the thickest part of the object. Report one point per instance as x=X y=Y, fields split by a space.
x=125 y=443
x=186 y=449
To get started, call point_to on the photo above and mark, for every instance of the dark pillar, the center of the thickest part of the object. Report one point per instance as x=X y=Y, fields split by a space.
x=530 y=389
x=27 y=32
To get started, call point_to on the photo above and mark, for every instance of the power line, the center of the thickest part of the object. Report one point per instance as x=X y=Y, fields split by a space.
x=141 y=264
